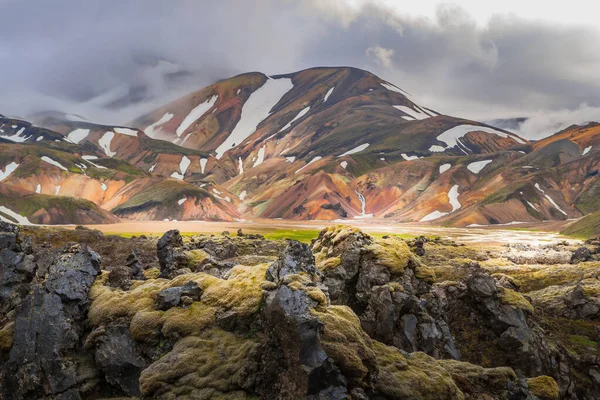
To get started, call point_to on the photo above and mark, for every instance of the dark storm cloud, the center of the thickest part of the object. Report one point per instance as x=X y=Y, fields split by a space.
x=54 y=54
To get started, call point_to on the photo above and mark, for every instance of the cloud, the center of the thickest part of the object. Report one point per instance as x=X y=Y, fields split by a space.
x=544 y=123
x=70 y=52
x=381 y=55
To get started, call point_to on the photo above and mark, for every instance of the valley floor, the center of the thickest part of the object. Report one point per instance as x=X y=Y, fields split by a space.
x=532 y=234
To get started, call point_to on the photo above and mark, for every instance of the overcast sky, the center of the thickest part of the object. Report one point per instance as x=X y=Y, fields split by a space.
x=475 y=59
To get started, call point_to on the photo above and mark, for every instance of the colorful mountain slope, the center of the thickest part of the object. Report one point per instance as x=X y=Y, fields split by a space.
x=323 y=143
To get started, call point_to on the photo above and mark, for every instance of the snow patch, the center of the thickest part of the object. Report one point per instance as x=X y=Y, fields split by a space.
x=78 y=135
x=152 y=168
x=355 y=150
x=317 y=158
x=453 y=200
x=261 y=157
x=39 y=138
x=17 y=217
x=451 y=136
x=240 y=165
x=298 y=116
x=586 y=150
x=57 y=190
x=328 y=94
x=203 y=162
x=104 y=143
x=344 y=164
x=90 y=158
x=38 y=188
x=52 y=162
x=290 y=159
x=453 y=196
x=433 y=216
x=414 y=114
x=437 y=149
x=242 y=195
x=391 y=87
x=151 y=129
x=181 y=201
x=183 y=166
x=254 y=111
x=532 y=206
x=445 y=167
x=195 y=114
x=537 y=186
x=477 y=166
x=16 y=137
x=126 y=131
x=409 y=158
x=103 y=186
x=8 y=170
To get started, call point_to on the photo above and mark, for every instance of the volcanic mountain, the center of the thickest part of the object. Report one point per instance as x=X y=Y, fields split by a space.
x=323 y=143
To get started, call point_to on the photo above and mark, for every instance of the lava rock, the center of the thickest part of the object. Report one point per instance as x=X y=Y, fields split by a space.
x=172 y=297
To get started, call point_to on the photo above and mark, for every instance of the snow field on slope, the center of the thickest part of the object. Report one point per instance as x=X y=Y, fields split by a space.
x=254 y=111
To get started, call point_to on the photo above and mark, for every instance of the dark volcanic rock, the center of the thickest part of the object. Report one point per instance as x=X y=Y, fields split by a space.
x=296 y=258
x=48 y=328
x=172 y=297
x=169 y=257
x=117 y=357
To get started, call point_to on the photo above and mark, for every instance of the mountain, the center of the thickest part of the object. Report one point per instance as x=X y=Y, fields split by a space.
x=323 y=143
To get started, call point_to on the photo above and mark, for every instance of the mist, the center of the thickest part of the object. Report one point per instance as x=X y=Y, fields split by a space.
x=112 y=61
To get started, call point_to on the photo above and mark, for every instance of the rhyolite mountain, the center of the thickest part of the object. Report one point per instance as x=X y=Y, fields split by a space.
x=323 y=143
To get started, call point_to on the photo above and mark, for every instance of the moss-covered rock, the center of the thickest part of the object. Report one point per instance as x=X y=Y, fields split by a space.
x=215 y=365
x=544 y=387
x=415 y=377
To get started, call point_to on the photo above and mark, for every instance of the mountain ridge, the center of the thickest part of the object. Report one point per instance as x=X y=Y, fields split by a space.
x=321 y=143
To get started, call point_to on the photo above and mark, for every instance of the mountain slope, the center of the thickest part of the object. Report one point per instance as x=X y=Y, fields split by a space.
x=323 y=143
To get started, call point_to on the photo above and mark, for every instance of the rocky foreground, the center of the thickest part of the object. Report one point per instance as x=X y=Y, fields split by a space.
x=87 y=316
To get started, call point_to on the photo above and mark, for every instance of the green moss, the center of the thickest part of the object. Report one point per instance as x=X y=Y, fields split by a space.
x=329 y=263
x=582 y=341
x=6 y=337
x=474 y=378
x=301 y=235
x=346 y=343
x=425 y=273
x=241 y=292
x=416 y=377
x=544 y=387
x=215 y=365
x=393 y=253
x=195 y=257
x=586 y=227
x=163 y=193
x=515 y=299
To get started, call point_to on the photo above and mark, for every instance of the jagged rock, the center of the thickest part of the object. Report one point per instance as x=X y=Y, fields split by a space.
x=169 y=258
x=388 y=287
x=135 y=265
x=580 y=255
x=297 y=368
x=48 y=327
x=172 y=297
x=116 y=355
x=73 y=273
x=296 y=258
x=120 y=277
x=504 y=317
x=575 y=301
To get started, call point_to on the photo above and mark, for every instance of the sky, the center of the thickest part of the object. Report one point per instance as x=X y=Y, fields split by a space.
x=481 y=60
